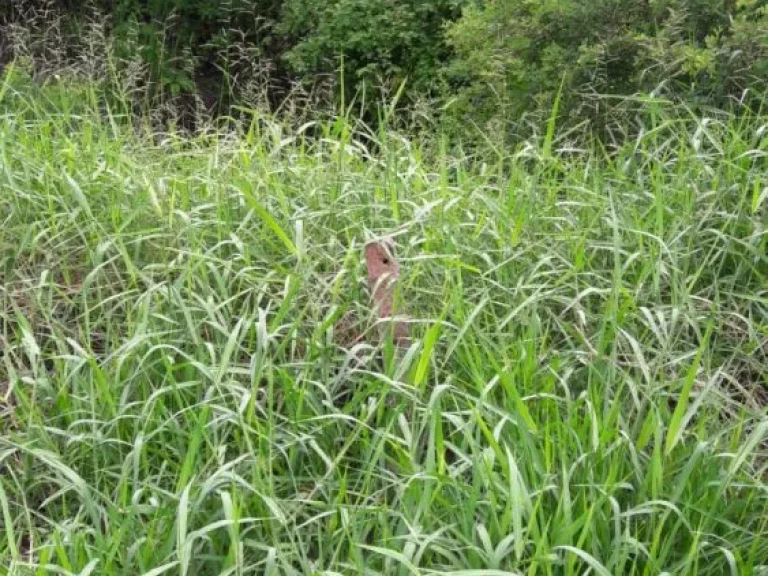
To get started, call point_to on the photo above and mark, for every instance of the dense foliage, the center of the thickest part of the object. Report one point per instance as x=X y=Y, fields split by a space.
x=587 y=384
x=381 y=41
x=512 y=56
x=586 y=393
x=489 y=61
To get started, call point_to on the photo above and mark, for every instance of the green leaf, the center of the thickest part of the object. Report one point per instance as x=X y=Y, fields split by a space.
x=675 y=430
x=422 y=368
x=271 y=223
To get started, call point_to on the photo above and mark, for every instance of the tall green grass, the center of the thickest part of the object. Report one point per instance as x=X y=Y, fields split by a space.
x=586 y=392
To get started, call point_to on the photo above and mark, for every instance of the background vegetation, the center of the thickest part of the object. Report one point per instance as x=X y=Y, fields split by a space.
x=486 y=64
x=579 y=195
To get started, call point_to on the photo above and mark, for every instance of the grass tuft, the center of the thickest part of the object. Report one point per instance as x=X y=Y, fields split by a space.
x=587 y=390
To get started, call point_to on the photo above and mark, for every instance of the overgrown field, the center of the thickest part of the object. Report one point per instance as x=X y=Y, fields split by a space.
x=586 y=392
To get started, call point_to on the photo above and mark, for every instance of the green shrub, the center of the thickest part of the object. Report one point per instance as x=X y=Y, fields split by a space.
x=215 y=49
x=183 y=47
x=512 y=55
x=490 y=62
x=386 y=41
